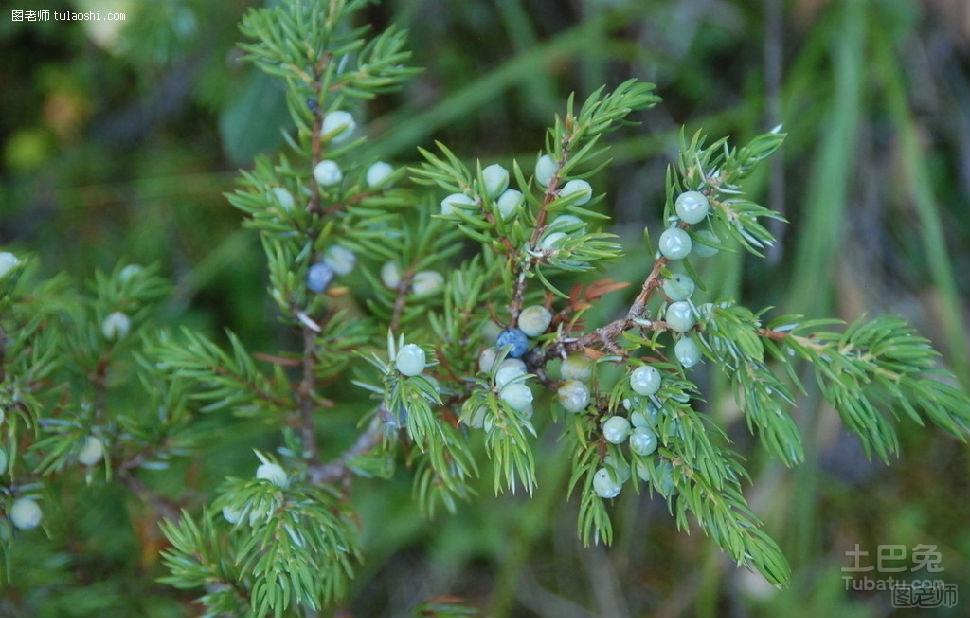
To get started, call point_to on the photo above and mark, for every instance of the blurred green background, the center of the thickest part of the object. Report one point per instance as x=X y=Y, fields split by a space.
x=118 y=141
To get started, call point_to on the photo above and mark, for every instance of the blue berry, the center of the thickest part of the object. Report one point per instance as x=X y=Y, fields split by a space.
x=680 y=316
x=319 y=277
x=687 y=352
x=692 y=207
x=679 y=287
x=515 y=340
x=675 y=244
x=643 y=441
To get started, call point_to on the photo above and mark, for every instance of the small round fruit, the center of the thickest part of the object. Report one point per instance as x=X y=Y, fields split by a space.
x=647 y=417
x=496 y=179
x=378 y=173
x=675 y=243
x=284 y=198
x=546 y=168
x=391 y=274
x=680 y=316
x=116 y=325
x=706 y=244
x=410 y=360
x=454 y=202
x=131 y=271
x=552 y=240
x=91 y=451
x=341 y=259
x=605 y=485
x=319 y=277
x=678 y=287
x=518 y=396
x=427 y=282
x=571 y=222
x=486 y=360
x=666 y=484
x=513 y=362
x=616 y=429
x=338 y=125
x=534 y=320
x=269 y=471
x=577 y=187
x=7 y=263
x=687 y=352
x=25 y=514
x=506 y=374
x=231 y=515
x=577 y=367
x=645 y=380
x=692 y=207
x=508 y=203
x=327 y=173
x=515 y=340
x=573 y=395
x=643 y=441
x=477 y=418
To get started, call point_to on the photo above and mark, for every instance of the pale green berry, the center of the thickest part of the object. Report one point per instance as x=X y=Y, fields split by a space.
x=675 y=244
x=616 y=429
x=571 y=222
x=605 y=485
x=518 y=396
x=284 y=198
x=534 y=320
x=391 y=274
x=378 y=173
x=8 y=261
x=643 y=441
x=546 y=168
x=496 y=180
x=577 y=187
x=687 y=352
x=507 y=373
x=427 y=282
x=514 y=362
x=666 y=485
x=130 y=271
x=327 y=173
x=678 y=287
x=508 y=203
x=91 y=451
x=577 y=367
x=338 y=125
x=680 y=316
x=25 y=514
x=645 y=380
x=477 y=418
x=639 y=419
x=551 y=241
x=692 y=207
x=340 y=259
x=645 y=418
x=272 y=472
x=116 y=325
x=3 y=461
x=573 y=395
x=620 y=468
x=706 y=244
x=486 y=360
x=454 y=202
x=410 y=360
x=231 y=515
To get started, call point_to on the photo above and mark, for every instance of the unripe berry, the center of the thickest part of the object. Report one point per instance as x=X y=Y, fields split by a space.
x=25 y=514
x=340 y=259
x=675 y=243
x=551 y=241
x=514 y=362
x=687 y=352
x=327 y=173
x=116 y=325
x=643 y=441
x=507 y=373
x=91 y=451
x=518 y=396
x=273 y=473
x=645 y=380
x=391 y=274
x=666 y=484
x=574 y=396
x=338 y=125
x=616 y=429
x=378 y=173
x=426 y=282
x=231 y=515
x=706 y=245
x=680 y=316
x=515 y=340
x=577 y=186
x=3 y=462
x=486 y=360
x=508 y=203
x=410 y=360
x=577 y=367
x=534 y=320
x=692 y=207
x=319 y=277
x=477 y=419
x=679 y=287
x=605 y=485
x=454 y=202
x=496 y=179
x=7 y=263
x=129 y=272
x=284 y=198
x=567 y=221
x=545 y=169
x=619 y=468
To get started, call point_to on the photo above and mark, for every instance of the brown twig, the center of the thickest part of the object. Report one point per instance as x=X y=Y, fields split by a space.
x=338 y=468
